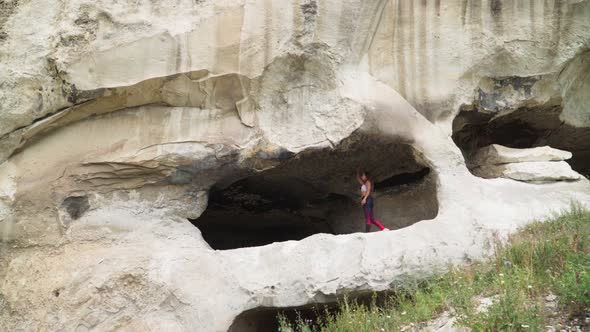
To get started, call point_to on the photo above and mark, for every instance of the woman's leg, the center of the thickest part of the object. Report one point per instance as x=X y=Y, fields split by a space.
x=376 y=222
x=370 y=203
x=368 y=216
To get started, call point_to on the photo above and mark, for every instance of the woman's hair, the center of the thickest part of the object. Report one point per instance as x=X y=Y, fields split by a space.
x=365 y=173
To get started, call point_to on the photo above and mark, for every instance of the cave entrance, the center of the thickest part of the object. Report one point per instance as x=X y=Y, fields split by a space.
x=266 y=319
x=523 y=128
x=316 y=192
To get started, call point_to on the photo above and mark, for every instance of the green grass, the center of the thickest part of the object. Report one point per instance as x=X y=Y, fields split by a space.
x=543 y=258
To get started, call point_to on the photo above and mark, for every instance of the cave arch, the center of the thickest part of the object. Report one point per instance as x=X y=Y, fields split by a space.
x=315 y=192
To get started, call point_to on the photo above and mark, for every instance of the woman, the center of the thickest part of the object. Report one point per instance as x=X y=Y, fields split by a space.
x=367 y=200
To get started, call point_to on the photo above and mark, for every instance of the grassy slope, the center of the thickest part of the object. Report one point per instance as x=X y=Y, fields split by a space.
x=543 y=259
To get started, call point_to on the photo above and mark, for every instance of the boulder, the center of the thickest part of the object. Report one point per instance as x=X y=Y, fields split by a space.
x=539 y=164
x=495 y=154
x=530 y=171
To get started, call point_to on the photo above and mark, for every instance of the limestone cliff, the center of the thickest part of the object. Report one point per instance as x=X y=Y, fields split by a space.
x=123 y=125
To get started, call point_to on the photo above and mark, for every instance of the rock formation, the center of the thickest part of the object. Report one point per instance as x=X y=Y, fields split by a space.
x=123 y=125
x=541 y=164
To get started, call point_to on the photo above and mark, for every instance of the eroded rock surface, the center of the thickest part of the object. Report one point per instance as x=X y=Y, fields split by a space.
x=497 y=154
x=540 y=164
x=119 y=122
x=531 y=171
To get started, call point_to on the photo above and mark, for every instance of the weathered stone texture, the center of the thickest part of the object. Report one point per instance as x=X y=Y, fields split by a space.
x=119 y=119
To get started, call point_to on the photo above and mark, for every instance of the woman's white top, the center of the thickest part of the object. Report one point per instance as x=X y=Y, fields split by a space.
x=363 y=188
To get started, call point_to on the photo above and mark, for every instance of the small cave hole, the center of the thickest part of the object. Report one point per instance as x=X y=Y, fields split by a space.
x=75 y=206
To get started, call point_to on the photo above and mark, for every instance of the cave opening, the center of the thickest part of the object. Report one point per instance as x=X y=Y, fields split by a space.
x=523 y=128
x=267 y=319
x=316 y=192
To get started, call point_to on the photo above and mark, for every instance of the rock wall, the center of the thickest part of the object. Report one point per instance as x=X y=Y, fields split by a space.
x=437 y=54
x=118 y=120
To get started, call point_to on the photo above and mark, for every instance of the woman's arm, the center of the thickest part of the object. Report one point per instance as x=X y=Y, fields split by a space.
x=358 y=176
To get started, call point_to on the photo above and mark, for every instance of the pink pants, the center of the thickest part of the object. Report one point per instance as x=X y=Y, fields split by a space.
x=369 y=218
